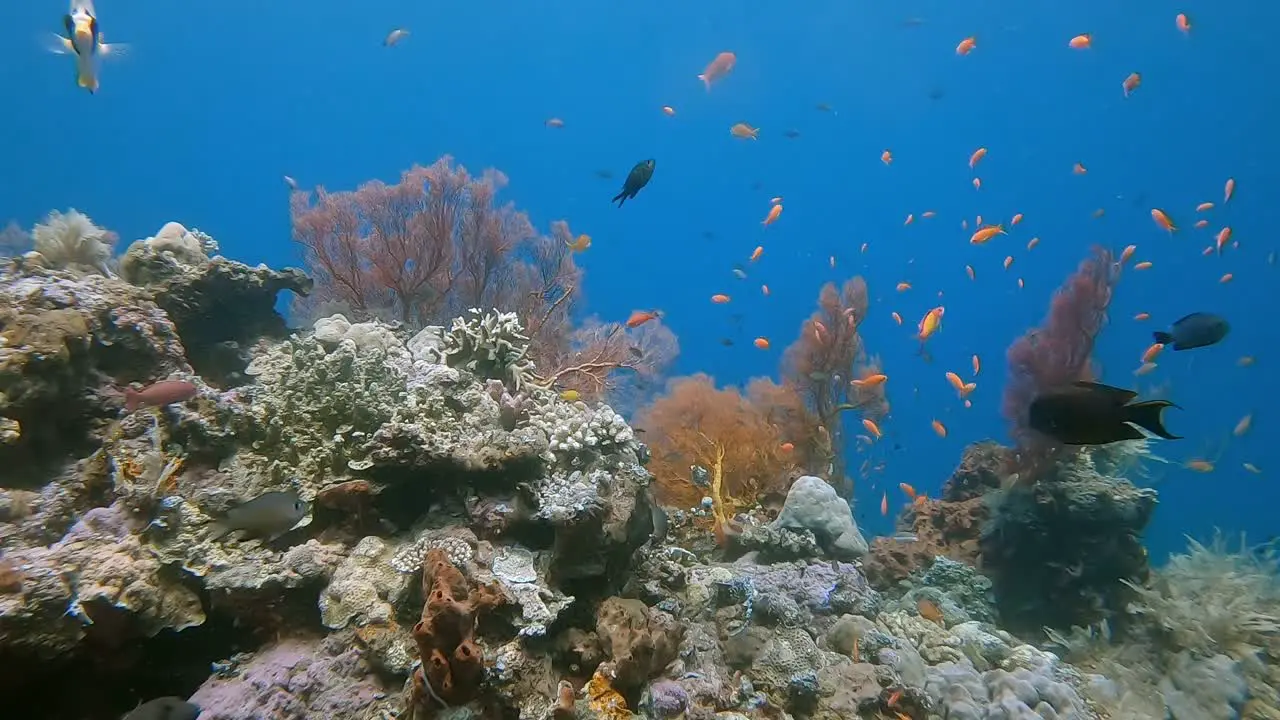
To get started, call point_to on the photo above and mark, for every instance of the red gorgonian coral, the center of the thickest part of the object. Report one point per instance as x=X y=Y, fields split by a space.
x=1057 y=353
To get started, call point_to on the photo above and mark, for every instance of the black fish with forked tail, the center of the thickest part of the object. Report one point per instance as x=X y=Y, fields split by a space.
x=635 y=182
x=1086 y=413
x=1196 y=330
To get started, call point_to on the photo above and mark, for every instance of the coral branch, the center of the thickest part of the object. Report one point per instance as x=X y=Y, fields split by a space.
x=1057 y=353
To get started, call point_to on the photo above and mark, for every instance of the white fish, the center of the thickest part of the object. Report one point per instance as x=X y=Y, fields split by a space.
x=395 y=36
x=85 y=41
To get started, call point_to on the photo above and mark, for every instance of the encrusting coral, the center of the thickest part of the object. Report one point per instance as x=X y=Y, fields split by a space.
x=452 y=664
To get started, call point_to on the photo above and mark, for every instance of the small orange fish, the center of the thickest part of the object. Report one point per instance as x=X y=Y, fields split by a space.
x=1016 y=219
x=929 y=611
x=1152 y=352
x=1081 y=42
x=939 y=428
x=787 y=447
x=906 y=488
x=1008 y=261
x=1182 y=22
x=720 y=299
x=1079 y=169
x=762 y=343
x=719 y=67
x=1243 y=426
x=1144 y=265
x=886 y=157
x=755 y=254
x=668 y=110
x=1144 y=368
x=930 y=323
x=744 y=131
x=884 y=503
x=1222 y=238
x=966 y=46
x=1201 y=224
x=580 y=244
x=1033 y=242
x=985 y=234
x=957 y=383
x=1131 y=83
x=1226 y=278
x=640 y=317
x=903 y=287
x=910 y=219
x=977 y=183
x=1127 y=253
x=1204 y=207
x=976 y=157
x=928 y=214
x=1201 y=466
x=896 y=317
x=765 y=289
x=1228 y=190
x=870 y=381
x=775 y=212
x=1142 y=316
x=872 y=428
x=1162 y=219
x=968 y=269
x=977 y=365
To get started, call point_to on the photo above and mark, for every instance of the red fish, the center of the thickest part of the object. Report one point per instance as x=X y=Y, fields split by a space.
x=165 y=392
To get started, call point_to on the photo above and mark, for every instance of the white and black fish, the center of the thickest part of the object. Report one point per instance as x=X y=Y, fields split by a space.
x=269 y=515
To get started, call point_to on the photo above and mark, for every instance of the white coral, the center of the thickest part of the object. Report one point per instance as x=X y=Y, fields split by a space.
x=72 y=239
x=490 y=345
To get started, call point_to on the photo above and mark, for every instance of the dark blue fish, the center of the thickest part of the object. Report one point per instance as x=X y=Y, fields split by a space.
x=636 y=180
x=1194 y=331
x=1086 y=413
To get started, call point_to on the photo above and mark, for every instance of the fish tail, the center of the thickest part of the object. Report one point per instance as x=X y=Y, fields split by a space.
x=705 y=81
x=1147 y=415
x=131 y=400
x=620 y=198
x=1163 y=337
x=217 y=530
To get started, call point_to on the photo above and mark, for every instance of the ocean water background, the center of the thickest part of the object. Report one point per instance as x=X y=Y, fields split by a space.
x=216 y=101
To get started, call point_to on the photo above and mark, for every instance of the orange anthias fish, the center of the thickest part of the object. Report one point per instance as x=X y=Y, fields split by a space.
x=745 y=131
x=939 y=428
x=886 y=157
x=930 y=323
x=640 y=317
x=906 y=488
x=582 y=242
x=966 y=46
x=872 y=428
x=884 y=503
x=718 y=68
x=1228 y=190
x=1081 y=42
x=870 y=381
x=985 y=234
x=1162 y=219
x=1131 y=83
x=762 y=343
x=755 y=254
x=720 y=299
x=1182 y=22
x=929 y=610
x=976 y=157
x=775 y=212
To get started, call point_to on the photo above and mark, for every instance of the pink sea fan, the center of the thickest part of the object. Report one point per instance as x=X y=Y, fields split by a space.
x=1060 y=350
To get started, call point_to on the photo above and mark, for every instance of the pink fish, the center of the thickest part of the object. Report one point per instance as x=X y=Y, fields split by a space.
x=163 y=393
x=721 y=66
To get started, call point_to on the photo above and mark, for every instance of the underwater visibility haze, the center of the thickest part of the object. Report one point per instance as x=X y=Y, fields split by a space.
x=590 y=360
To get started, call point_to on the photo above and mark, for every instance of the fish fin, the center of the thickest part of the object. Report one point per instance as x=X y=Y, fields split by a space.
x=59 y=45
x=218 y=530
x=1147 y=415
x=114 y=50
x=1162 y=337
x=620 y=198
x=1119 y=395
x=705 y=81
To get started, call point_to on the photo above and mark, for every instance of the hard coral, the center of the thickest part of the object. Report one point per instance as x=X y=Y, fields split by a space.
x=452 y=663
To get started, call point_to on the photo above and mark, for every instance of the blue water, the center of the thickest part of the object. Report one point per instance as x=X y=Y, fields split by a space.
x=216 y=101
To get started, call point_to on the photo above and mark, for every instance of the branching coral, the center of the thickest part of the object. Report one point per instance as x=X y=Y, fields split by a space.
x=822 y=363
x=491 y=346
x=1056 y=354
x=452 y=666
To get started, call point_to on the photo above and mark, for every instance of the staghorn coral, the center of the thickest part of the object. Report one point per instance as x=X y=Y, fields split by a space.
x=821 y=363
x=1056 y=354
x=71 y=240
x=452 y=666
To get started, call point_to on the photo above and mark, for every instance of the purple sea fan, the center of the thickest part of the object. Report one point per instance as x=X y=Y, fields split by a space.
x=667 y=698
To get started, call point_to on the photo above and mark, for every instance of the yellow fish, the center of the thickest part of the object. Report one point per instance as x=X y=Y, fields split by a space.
x=581 y=243
x=85 y=41
x=570 y=395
